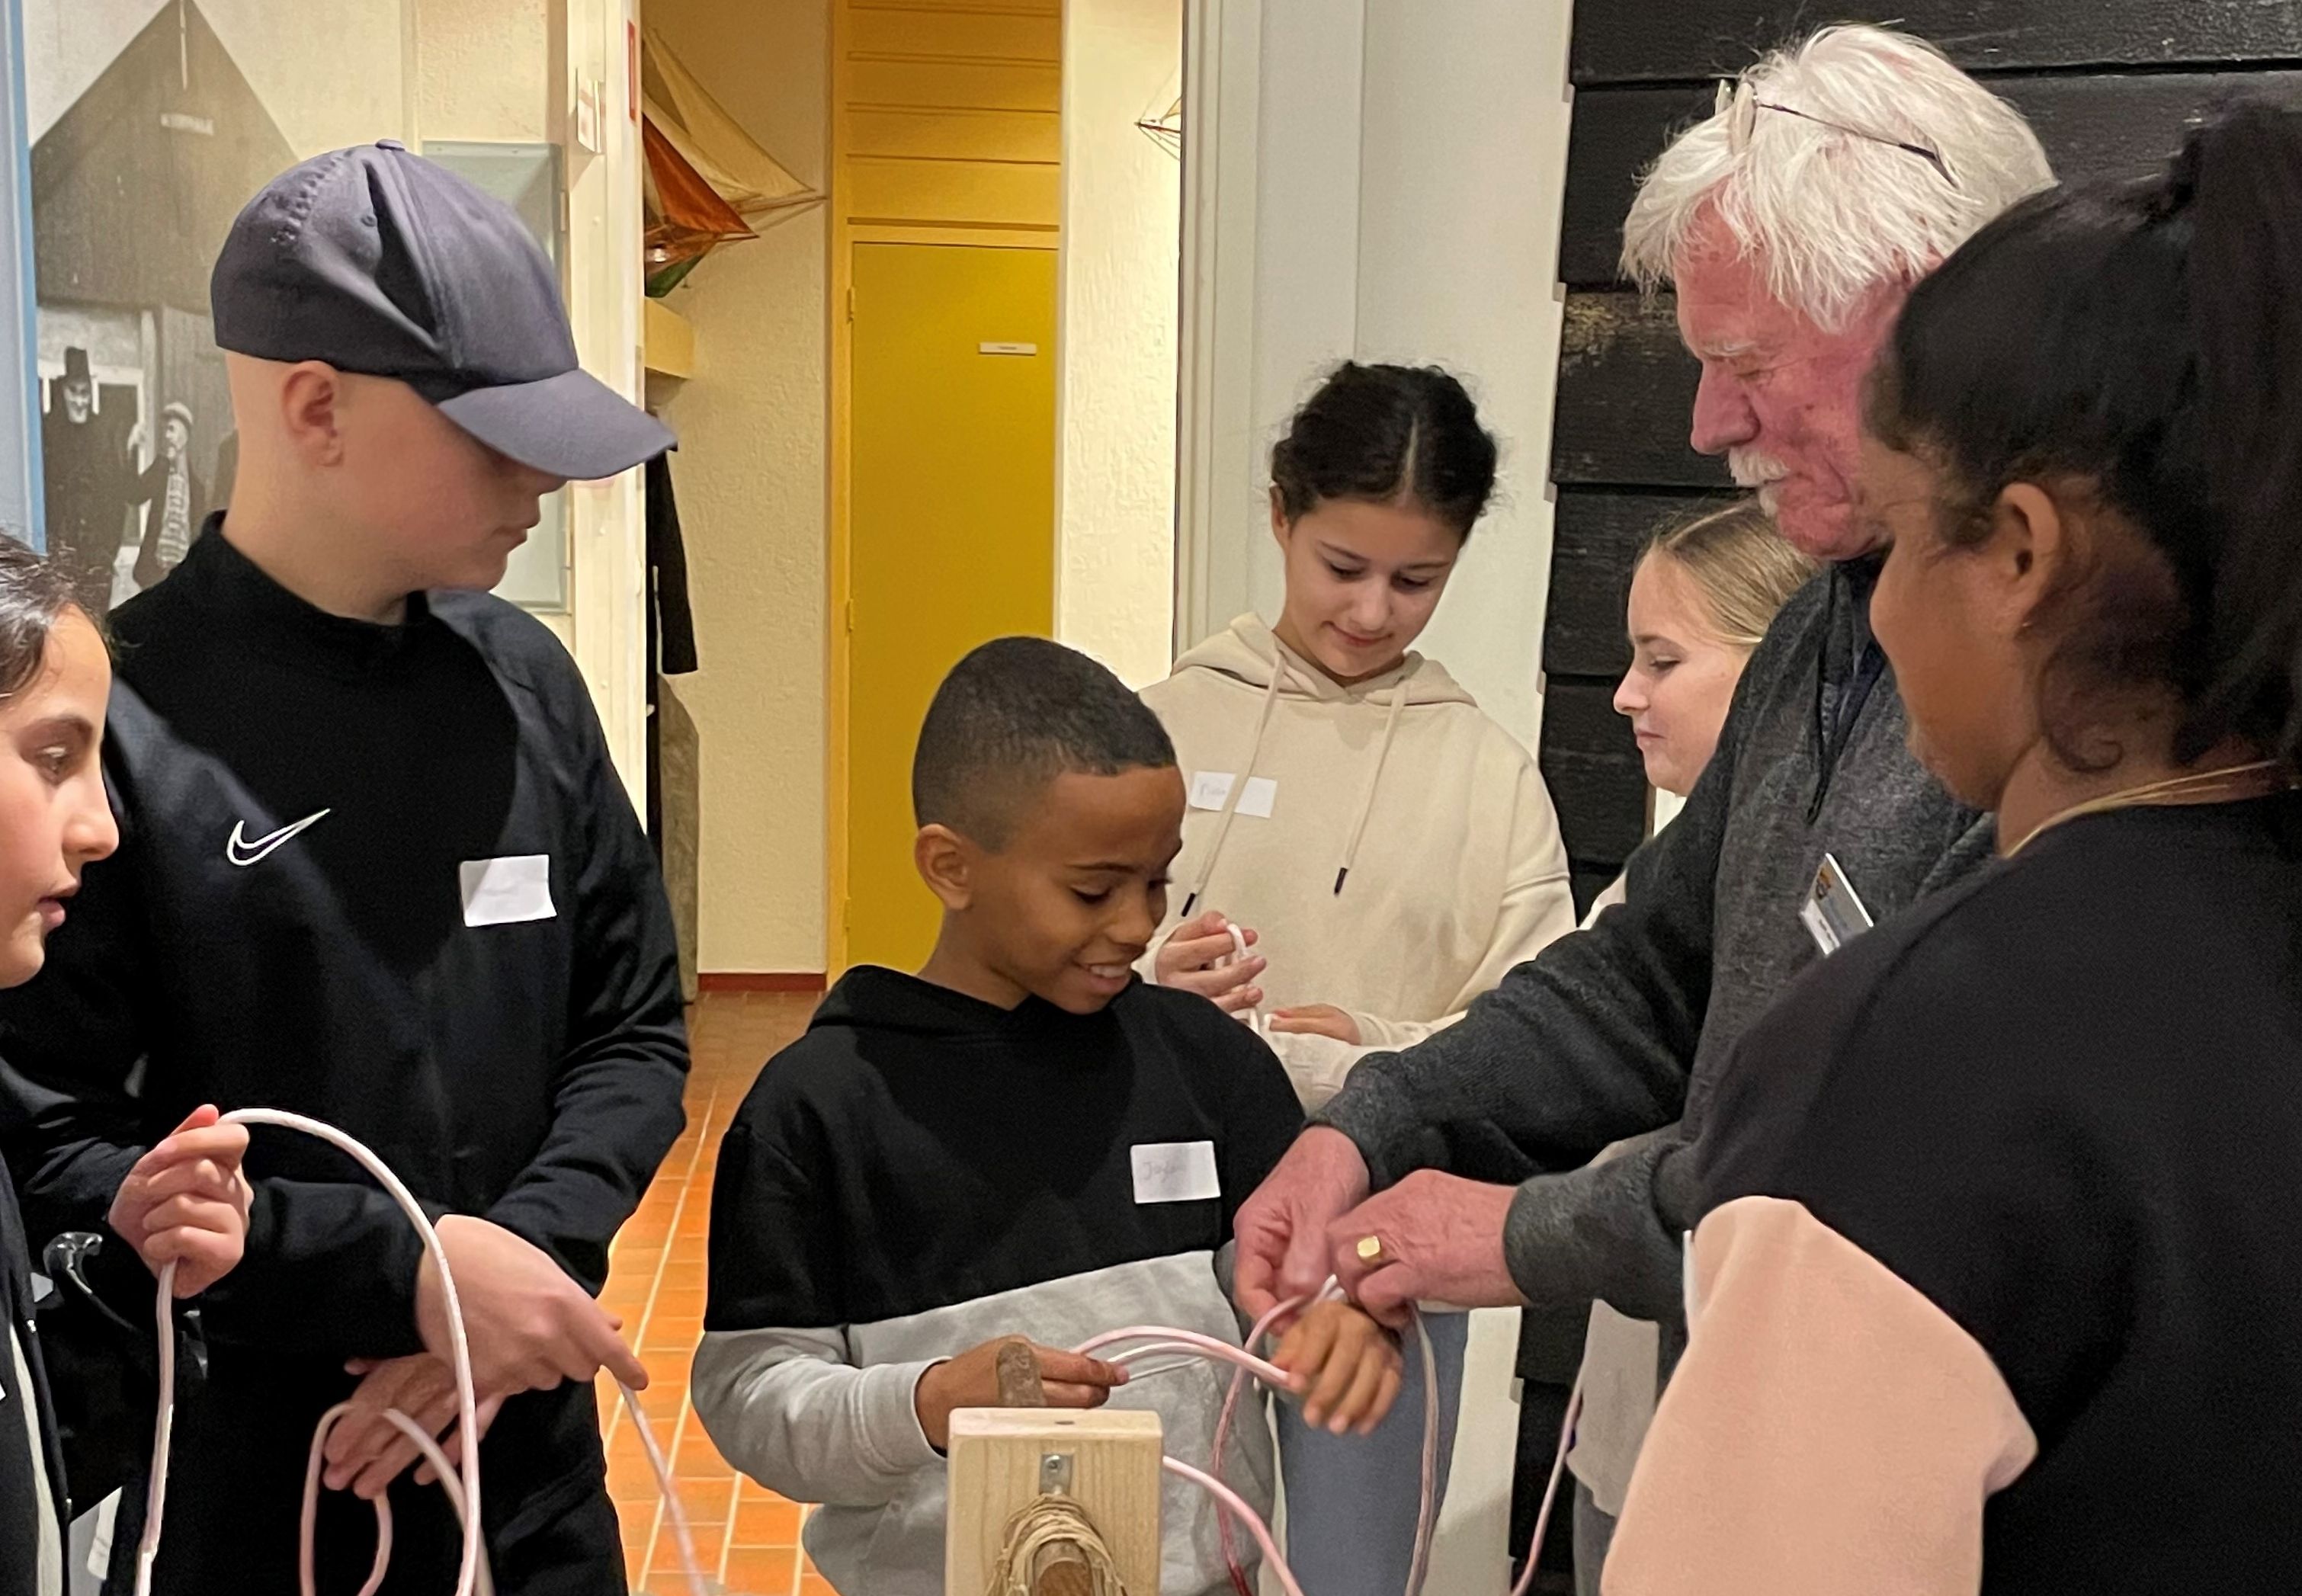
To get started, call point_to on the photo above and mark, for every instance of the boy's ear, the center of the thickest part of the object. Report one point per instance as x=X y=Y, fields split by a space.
x=946 y=863
x=309 y=397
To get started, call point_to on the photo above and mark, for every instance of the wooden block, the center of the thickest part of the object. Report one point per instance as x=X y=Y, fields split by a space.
x=996 y=1456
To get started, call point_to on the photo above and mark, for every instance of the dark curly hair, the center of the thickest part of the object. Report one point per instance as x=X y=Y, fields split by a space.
x=1387 y=434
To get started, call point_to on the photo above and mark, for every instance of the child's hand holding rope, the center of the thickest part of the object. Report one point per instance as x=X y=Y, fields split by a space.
x=1344 y=1365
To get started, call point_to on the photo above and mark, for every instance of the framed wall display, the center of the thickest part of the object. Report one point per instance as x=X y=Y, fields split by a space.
x=150 y=123
x=525 y=177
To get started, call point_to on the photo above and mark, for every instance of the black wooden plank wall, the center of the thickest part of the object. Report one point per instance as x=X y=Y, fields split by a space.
x=2108 y=84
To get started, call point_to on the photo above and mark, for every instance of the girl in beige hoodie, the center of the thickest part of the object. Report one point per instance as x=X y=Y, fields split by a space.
x=1387 y=852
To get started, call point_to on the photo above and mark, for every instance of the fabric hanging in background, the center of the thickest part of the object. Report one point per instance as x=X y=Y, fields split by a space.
x=672 y=652
x=670 y=626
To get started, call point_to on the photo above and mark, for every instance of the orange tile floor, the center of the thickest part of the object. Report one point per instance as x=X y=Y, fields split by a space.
x=746 y=1538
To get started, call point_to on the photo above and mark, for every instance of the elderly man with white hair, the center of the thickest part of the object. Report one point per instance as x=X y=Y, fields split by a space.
x=1792 y=222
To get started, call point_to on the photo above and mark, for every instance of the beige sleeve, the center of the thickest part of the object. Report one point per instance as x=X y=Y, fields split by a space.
x=1830 y=1431
x=1319 y=1065
x=1537 y=909
x=1537 y=906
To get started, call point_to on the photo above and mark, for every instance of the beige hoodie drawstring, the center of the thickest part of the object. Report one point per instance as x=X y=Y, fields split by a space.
x=1237 y=786
x=1367 y=798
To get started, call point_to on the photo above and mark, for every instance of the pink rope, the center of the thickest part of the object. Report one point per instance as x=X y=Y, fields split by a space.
x=1140 y=1340
x=461 y=1481
x=1278 y=1311
x=1231 y=1500
x=1167 y=1338
x=1551 y=1490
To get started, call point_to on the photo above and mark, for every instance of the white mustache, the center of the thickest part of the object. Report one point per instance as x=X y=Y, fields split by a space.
x=1751 y=469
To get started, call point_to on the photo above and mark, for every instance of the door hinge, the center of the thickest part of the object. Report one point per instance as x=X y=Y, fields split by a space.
x=851 y=302
x=847 y=615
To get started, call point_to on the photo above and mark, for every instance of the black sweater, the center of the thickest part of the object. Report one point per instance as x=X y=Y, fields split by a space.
x=2050 y=1122
x=31 y=1466
x=297 y=917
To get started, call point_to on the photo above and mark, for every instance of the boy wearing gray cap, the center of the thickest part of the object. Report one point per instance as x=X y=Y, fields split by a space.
x=375 y=867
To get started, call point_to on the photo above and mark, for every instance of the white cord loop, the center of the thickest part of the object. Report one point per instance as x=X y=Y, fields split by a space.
x=461 y=1481
x=1252 y=1015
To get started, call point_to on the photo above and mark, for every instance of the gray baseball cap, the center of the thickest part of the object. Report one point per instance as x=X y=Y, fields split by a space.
x=378 y=261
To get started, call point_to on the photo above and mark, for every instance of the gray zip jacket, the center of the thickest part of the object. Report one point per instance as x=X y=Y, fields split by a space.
x=1623 y=1028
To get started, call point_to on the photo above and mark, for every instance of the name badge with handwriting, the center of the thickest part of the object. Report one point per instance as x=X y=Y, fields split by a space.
x=1175 y=1172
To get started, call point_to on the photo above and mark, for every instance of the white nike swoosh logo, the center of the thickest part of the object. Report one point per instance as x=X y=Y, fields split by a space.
x=242 y=852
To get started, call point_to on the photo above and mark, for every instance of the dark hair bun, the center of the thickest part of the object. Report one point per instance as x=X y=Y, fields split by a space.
x=1388 y=434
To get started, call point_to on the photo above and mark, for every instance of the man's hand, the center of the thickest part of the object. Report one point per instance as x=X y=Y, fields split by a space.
x=1190 y=960
x=971 y=1380
x=1282 y=1231
x=1442 y=1241
x=1317 y=1020
x=186 y=1202
x=529 y=1326
x=366 y=1451
x=1346 y=1368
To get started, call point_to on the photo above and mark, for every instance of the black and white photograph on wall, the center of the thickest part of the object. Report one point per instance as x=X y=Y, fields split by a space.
x=152 y=124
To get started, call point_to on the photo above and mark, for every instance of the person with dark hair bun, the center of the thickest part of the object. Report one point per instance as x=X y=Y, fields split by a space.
x=184 y=1201
x=1994 y=1284
x=1386 y=850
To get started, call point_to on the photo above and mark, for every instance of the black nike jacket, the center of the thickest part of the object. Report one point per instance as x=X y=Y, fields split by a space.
x=383 y=876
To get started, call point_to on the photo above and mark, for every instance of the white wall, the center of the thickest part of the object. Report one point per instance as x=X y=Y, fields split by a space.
x=1378 y=178
x=749 y=474
x=1115 y=398
x=483 y=71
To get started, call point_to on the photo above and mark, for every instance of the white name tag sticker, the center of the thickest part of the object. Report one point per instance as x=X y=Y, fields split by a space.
x=1833 y=914
x=506 y=892
x=1175 y=1172
x=1211 y=789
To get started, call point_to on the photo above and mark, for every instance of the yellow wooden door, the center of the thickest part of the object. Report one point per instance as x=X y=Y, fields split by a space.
x=950 y=538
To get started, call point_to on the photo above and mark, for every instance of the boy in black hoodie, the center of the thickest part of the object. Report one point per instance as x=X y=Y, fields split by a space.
x=1022 y=1139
